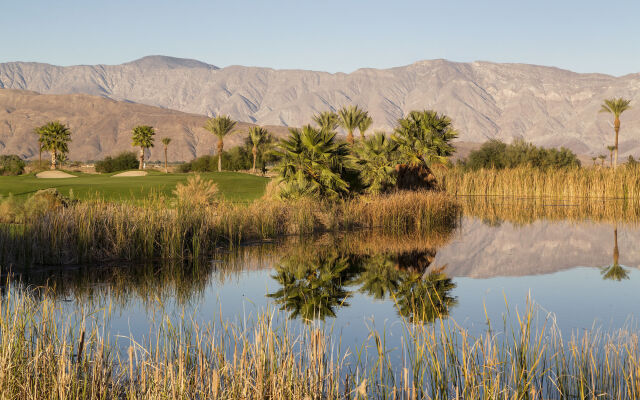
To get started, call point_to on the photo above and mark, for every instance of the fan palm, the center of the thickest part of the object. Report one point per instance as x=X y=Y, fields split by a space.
x=311 y=163
x=616 y=107
x=375 y=158
x=221 y=126
x=364 y=124
x=349 y=118
x=611 y=149
x=602 y=157
x=380 y=277
x=165 y=142
x=425 y=297
x=312 y=288
x=54 y=137
x=258 y=136
x=327 y=121
x=143 y=136
x=424 y=138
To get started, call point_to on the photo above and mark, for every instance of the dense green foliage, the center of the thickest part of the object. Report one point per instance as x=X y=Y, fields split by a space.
x=121 y=162
x=11 y=165
x=54 y=137
x=375 y=159
x=495 y=154
x=424 y=138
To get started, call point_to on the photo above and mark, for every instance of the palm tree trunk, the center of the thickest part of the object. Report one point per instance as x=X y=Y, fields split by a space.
x=616 y=126
x=53 y=159
x=40 y=158
x=141 y=166
x=350 y=137
x=220 y=148
x=362 y=135
x=165 y=160
x=255 y=156
x=611 y=158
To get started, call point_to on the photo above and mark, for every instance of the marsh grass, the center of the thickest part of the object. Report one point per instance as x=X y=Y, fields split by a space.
x=594 y=182
x=526 y=211
x=45 y=353
x=98 y=231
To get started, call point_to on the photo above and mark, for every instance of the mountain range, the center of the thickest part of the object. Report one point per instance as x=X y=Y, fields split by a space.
x=544 y=105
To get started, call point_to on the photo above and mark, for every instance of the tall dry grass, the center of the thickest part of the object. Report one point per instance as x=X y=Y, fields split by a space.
x=46 y=354
x=99 y=231
x=622 y=182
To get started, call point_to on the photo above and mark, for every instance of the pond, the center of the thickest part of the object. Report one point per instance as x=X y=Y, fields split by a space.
x=579 y=267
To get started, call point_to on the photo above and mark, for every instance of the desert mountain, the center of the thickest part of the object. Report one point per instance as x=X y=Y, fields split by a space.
x=545 y=105
x=102 y=126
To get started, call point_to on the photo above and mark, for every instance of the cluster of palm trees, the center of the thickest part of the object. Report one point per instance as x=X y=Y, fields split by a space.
x=314 y=284
x=615 y=106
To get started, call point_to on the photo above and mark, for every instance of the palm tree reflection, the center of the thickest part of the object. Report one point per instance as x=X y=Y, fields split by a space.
x=615 y=272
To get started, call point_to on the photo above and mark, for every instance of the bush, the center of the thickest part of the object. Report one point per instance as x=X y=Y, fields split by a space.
x=196 y=192
x=11 y=165
x=236 y=159
x=496 y=154
x=122 y=162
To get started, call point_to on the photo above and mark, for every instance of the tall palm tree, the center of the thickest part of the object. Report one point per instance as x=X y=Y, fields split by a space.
x=54 y=137
x=616 y=107
x=165 y=142
x=424 y=137
x=364 y=124
x=350 y=118
x=142 y=136
x=327 y=121
x=611 y=149
x=258 y=136
x=220 y=126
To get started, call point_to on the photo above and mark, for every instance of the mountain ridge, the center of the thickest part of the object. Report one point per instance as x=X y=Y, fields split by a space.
x=547 y=106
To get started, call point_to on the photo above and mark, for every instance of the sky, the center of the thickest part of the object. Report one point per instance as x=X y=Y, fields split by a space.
x=326 y=35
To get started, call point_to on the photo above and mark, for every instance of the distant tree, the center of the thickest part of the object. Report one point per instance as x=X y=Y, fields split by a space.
x=602 y=157
x=364 y=124
x=495 y=154
x=165 y=142
x=616 y=107
x=350 y=118
x=594 y=160
x=221 y=126
x=11 y=165
x=611 y=149
x=327 y=121
x=122 y=162
x=40 y=134
x=142 y=136
x=55 y=138
x=258 y=135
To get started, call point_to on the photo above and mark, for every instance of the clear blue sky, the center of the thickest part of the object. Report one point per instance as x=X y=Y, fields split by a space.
x=584 y=36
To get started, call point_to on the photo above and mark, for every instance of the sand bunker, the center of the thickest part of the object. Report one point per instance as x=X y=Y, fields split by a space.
x=130 y=173
x=54 y=175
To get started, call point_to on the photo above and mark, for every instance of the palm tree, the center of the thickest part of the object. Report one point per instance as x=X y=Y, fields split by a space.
x=220 y=126
x=350 y=118
x=425 y=297
x=364 y=124
x=611 y=149
x=327 y=121
x=376 y=158
x=424 y=137
x=615 y=271
x=616 y=107
x=40 y=134
x=594 y=160
x=311 y=163
x=142 y=136
x=54 y=137
x=258 y=136
x=602 y=157
x=165 y=142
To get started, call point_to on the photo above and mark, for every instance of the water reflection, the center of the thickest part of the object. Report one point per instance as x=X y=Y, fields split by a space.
x=615 y=271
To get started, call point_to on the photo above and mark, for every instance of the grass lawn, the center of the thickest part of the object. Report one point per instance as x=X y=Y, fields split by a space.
x=233 y=186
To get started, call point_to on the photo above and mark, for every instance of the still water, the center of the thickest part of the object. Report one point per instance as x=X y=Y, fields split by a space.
x=582 y=272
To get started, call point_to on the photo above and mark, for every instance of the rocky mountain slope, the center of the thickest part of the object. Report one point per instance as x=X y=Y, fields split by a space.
x=545 y=105
x=102 y=126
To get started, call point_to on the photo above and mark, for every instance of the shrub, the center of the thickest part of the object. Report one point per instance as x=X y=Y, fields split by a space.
x=122 y=162
x=496 y=154
x=11 y=165
x=236 y=159
x=43 y=201
x=196 y=192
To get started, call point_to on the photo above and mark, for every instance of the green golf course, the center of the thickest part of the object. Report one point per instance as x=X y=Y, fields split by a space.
x=233 y=186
